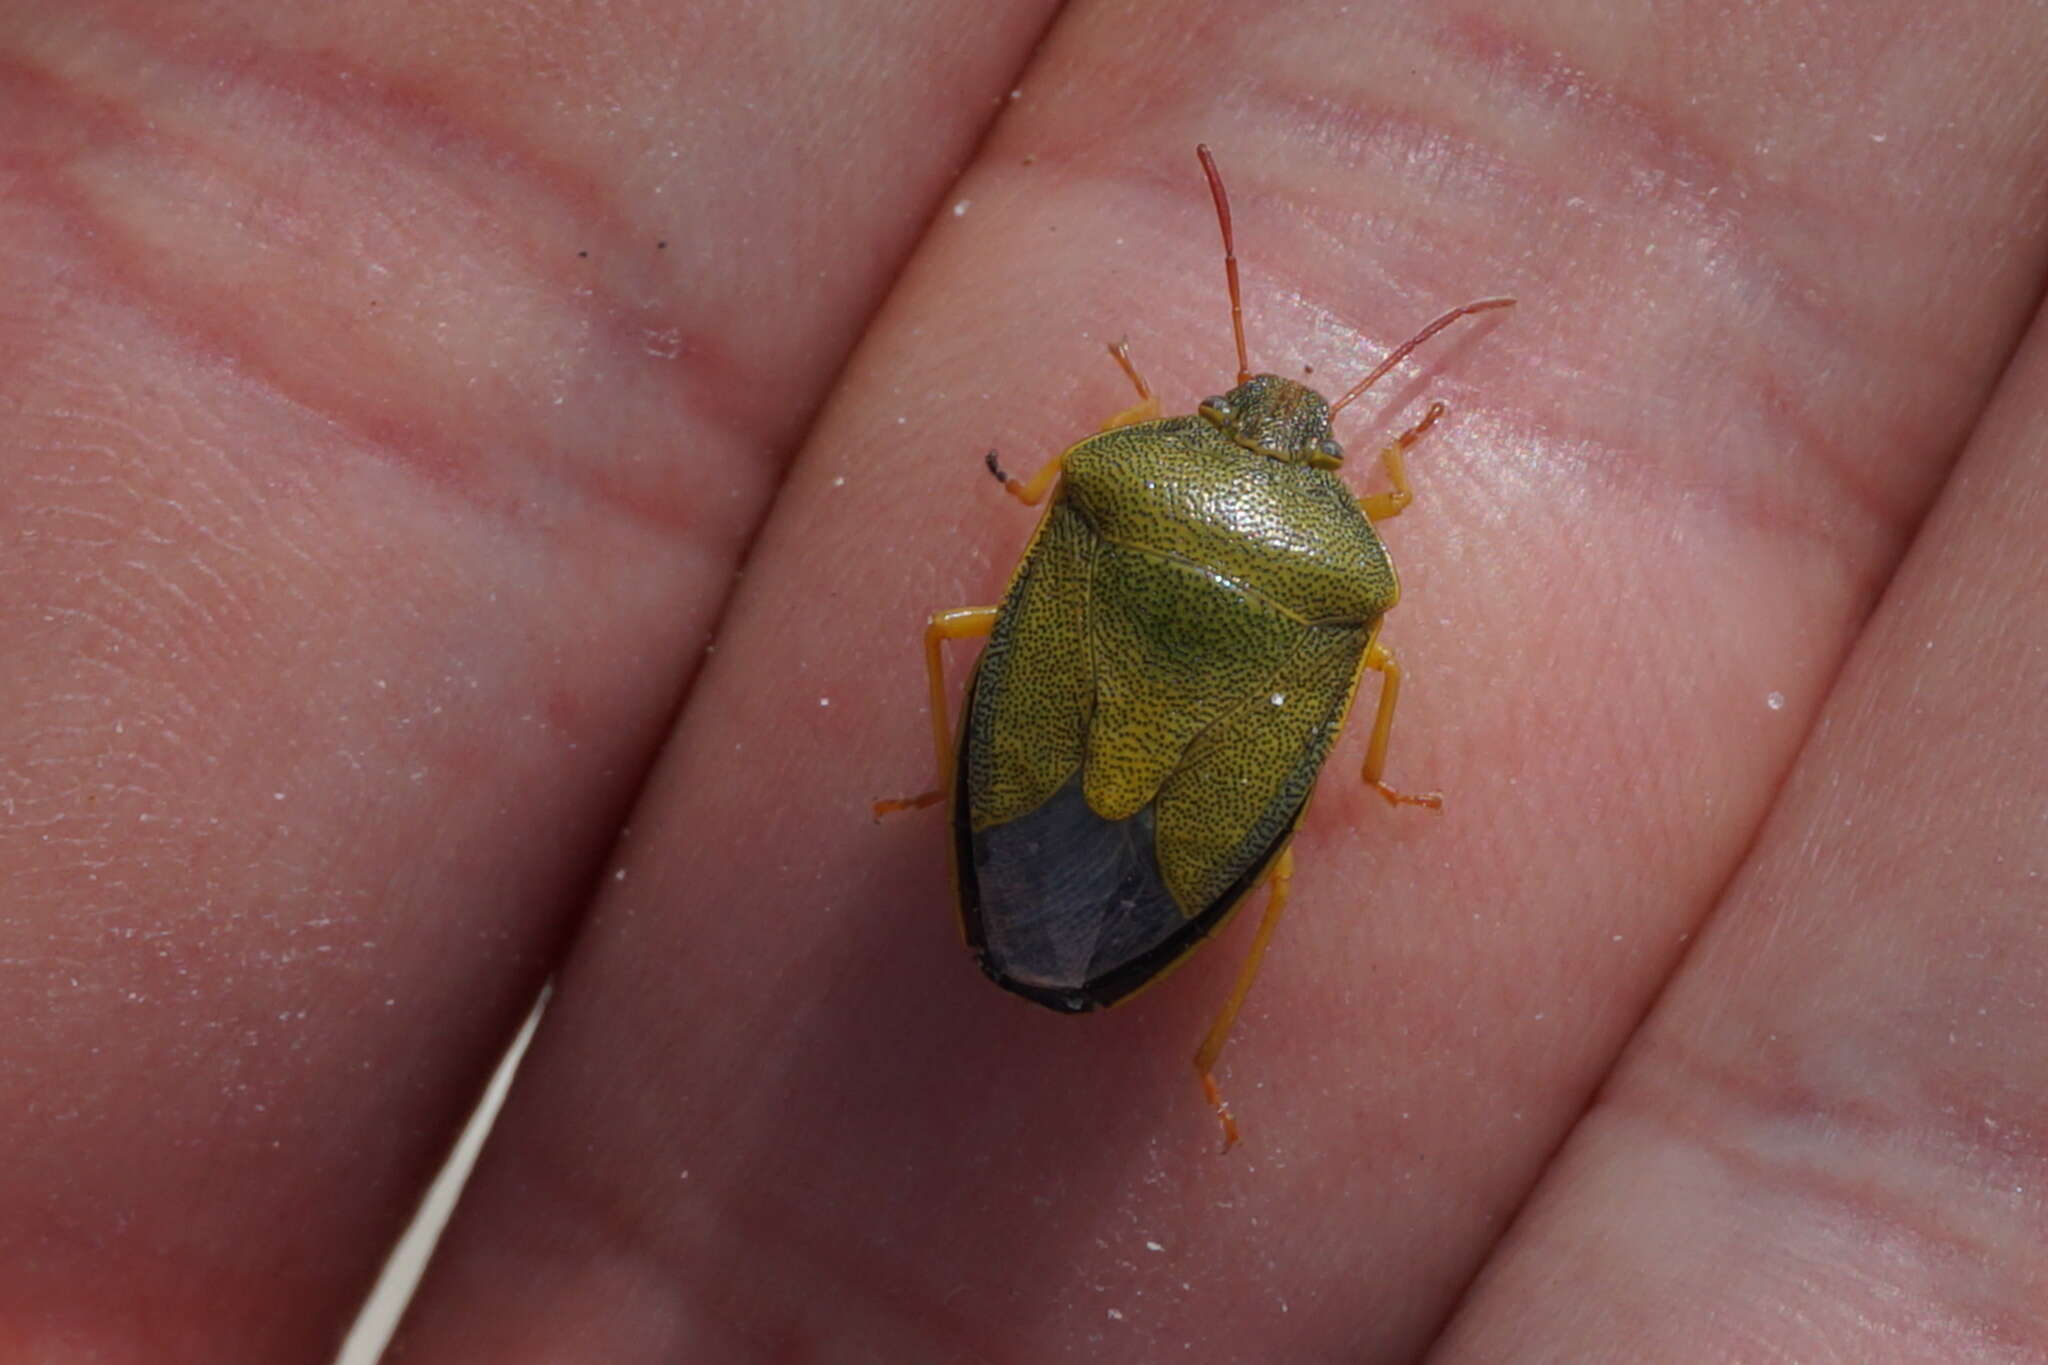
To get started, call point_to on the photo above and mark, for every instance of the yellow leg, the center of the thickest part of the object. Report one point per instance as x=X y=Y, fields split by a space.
x=1381 y=660
x=1277 y=879
x=1146 y=409
x=961 y=623
x=1032 y=491
x=1380 y=506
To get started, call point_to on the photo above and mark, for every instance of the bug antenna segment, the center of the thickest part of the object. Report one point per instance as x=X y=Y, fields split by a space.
x=1400 y=353
x=1244 y=364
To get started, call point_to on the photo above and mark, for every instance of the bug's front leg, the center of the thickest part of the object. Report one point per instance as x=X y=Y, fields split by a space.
x=1380 y=506
x=958 y=623
x=1146 y=409
x=1032 y=491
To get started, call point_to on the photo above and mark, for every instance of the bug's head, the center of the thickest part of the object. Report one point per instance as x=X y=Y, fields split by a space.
x=1277 y=417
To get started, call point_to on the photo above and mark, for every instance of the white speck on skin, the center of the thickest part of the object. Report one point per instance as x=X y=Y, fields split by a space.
x=1775 y=700
x=824 y=701
x=839 y=482
x=1116 y=1315
x=960 y=209
x=619 y=875
x=1153 y=1246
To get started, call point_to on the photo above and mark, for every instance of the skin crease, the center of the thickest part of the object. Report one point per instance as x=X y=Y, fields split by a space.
x=379 y=478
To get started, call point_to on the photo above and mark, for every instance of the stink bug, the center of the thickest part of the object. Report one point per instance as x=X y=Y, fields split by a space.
x=1173 y=659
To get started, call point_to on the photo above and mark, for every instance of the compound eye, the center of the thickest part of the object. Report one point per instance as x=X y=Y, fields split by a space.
x=1217 y=410
x=1327 y=455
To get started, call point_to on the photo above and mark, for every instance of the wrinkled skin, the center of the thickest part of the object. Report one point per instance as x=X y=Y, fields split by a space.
x=376 y=481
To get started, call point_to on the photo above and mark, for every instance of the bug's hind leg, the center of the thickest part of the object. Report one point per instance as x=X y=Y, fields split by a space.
x=960 y=623
x=1278 y=879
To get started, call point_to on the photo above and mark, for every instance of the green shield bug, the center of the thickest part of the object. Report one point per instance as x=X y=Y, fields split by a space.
x=1173 y=659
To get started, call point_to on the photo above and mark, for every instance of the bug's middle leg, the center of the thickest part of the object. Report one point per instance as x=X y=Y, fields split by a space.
x=1278 y=879
x=959 y=623
x=1380 y=659
x=1032 y=491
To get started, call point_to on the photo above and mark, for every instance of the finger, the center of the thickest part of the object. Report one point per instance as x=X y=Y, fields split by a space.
x=1671 y=485
x=386 y=398
x=1827 y=1136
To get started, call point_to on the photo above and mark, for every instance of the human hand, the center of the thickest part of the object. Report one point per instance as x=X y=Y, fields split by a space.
x=367 y=533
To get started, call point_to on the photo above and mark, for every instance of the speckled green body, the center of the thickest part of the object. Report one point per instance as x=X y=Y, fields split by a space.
x=1172 y=663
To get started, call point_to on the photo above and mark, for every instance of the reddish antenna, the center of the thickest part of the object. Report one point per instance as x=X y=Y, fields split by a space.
x=1401 y=352
x=1244 y=364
